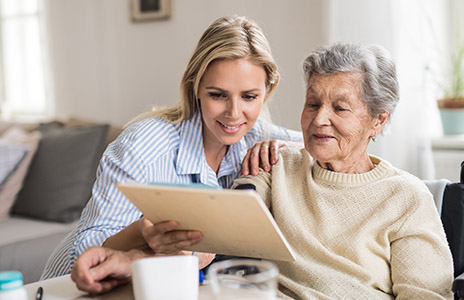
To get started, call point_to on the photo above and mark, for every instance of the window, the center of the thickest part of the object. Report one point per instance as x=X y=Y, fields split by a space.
x=22 y=63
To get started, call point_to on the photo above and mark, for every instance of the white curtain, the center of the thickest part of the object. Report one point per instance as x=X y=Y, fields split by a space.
x=414 y=32
x=24 y=69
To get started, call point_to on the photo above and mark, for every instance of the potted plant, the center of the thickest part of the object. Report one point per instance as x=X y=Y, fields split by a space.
x=451 y=106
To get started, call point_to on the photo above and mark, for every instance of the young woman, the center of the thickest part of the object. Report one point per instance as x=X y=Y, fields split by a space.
x=203 y=139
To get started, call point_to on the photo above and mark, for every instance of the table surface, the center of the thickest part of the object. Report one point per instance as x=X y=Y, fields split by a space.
x=63 y=288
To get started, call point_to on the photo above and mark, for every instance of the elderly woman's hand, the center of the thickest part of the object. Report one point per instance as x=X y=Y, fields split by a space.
x=99 y=270
x=266 y=152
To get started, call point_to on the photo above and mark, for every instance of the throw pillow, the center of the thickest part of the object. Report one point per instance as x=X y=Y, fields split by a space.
x=11 y=155
x=62 y=173
x=113 y=131
x=13 y=184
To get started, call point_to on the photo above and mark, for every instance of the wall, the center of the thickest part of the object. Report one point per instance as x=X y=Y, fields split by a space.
x=107 y=68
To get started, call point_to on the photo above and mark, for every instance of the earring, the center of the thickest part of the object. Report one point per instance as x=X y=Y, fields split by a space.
x=374 y=139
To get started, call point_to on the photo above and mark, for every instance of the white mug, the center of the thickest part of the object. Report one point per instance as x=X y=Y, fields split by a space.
x=166 y=277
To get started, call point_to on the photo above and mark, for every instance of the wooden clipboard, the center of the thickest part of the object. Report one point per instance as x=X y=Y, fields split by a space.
x=233 y=222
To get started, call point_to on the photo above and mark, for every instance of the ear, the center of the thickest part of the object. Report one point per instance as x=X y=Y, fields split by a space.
x=380 y=122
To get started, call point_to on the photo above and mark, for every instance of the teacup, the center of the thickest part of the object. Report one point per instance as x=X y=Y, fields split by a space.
x=166 y=277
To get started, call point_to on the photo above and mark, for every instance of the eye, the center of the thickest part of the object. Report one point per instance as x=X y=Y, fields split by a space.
x=341 y=106
x=249 y=97
x=217 y=96
x=312 y=104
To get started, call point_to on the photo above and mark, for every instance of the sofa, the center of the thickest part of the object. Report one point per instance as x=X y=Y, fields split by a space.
x=46 y=174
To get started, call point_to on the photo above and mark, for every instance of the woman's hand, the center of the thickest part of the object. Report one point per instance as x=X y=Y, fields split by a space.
x=163 y=239
x=266 y=152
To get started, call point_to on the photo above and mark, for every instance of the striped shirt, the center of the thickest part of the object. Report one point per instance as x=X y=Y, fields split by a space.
x=151 y=150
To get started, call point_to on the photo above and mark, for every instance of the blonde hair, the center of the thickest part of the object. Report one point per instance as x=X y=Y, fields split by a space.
x=226 y=38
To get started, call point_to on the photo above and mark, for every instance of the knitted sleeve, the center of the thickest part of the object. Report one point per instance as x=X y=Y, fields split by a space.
x=421 y=262
x=262 y=182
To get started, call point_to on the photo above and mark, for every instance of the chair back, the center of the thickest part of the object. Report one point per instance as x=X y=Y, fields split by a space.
x=452 y=216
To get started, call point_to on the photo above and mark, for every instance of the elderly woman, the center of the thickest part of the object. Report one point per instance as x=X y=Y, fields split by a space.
x=361 y=228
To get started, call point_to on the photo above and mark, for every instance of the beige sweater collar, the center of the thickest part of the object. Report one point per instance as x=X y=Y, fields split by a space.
x=379 y=171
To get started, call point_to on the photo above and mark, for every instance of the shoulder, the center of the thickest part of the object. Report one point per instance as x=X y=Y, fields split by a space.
x=293 y=157
x=148 y=135
x=400 y=176
x=149 y=128
x=409 y=187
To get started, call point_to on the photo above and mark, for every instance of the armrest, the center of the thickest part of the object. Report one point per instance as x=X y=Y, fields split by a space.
x=458 y=286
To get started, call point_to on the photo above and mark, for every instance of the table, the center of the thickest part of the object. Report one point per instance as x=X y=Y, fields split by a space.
x=63 y=288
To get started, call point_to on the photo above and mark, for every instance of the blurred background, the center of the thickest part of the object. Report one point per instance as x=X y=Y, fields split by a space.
x=89 y=59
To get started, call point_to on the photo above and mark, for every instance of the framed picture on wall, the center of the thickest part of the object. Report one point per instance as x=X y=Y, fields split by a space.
x=149 y=10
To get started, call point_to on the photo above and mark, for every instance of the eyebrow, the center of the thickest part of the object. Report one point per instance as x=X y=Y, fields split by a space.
x=338 y=96
x=225 y=91
x=215 y=88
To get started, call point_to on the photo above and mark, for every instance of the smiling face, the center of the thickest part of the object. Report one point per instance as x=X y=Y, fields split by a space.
x=231 y=93
x=336 y=123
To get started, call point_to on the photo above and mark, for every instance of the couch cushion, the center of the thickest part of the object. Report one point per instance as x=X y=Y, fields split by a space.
x=28 y=126
x=29 y=256
x=26 y=229
x=11 y=187
x=11 y=154
x=113 y=131
x=61 y=174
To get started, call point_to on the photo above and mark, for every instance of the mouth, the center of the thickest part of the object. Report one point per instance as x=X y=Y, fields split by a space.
x=229 y=128
x=321 y=136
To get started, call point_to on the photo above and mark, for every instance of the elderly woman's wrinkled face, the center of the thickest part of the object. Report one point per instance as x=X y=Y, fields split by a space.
x=335 y=121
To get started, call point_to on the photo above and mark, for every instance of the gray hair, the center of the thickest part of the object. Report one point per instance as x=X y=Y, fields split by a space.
x=380 y=90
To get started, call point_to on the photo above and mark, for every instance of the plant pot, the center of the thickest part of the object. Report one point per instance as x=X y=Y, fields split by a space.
x=452 y=115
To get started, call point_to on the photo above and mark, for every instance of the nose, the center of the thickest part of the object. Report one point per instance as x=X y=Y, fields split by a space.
x=322 y=116
x=233 y=108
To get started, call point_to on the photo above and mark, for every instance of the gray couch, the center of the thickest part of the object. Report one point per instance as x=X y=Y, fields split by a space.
x=54 y=191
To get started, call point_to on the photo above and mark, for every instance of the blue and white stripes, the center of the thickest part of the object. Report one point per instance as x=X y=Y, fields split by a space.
x=150 y=150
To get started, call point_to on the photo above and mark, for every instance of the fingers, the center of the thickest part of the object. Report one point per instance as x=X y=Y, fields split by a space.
x=98 y=270
x=81 y=270
x=163 y=239
x=180 y=240
x=275 y=145
x=265 y=153
x=259 y=152
x=99 y=287
x=149 y=229
x=246 y=164
x=264 y=157
x=116 y=266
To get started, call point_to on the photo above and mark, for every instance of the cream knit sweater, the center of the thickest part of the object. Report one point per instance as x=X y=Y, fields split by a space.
x=375 y=235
